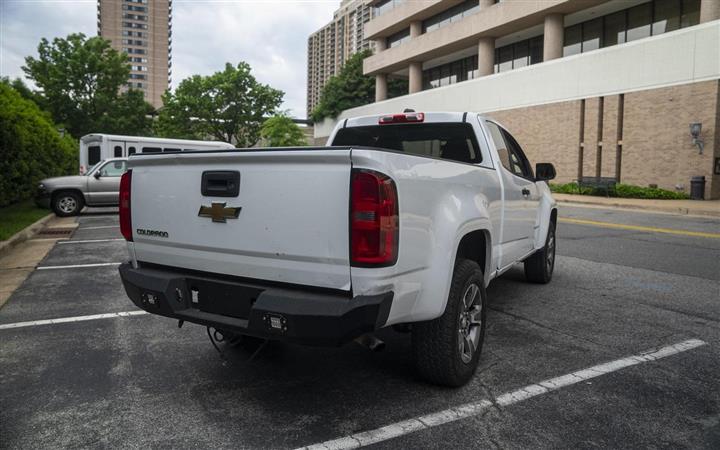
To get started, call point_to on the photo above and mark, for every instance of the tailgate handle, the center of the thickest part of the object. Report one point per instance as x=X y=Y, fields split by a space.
x=220 y=183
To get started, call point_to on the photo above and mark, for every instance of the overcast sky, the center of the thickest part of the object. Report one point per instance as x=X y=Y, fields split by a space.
x=270 y=35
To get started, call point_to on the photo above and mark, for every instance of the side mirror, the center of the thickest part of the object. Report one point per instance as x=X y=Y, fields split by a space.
x=97 y=175
x=544 y=172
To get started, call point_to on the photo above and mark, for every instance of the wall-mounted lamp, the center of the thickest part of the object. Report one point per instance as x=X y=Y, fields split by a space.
x=695 y=130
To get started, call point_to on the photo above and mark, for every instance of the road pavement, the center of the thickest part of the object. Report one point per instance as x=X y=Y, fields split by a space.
x=139 y=381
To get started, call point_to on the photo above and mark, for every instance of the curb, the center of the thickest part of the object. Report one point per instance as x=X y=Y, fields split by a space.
x=650 y=209
x=24 y=234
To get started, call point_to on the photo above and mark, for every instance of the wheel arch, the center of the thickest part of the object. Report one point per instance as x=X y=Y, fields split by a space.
x=476 y=245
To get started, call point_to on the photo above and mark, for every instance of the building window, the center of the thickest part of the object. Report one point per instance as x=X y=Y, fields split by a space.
x=454 y=14
x=134 y=8
x=137 y=51
x=573 y=40
x=519 y=54
x=398 y=38
x=142 y=26
x=134 y=42
x=641 y=21
x=614 y=29
x=386 y=5
x=451 y=73
x=666 y=17
x=134 y=17
x=137 y=76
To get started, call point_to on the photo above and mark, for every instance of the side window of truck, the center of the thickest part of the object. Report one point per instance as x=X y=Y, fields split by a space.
x=501 y=146
x=511 y=156
x=517 y=156
x=118 y=151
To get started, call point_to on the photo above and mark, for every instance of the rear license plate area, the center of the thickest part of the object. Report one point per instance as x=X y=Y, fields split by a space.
x=226 y=299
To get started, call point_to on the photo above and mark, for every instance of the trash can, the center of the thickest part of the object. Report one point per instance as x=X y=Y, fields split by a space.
x=697 y=188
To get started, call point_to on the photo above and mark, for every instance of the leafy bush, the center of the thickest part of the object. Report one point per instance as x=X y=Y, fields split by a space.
x=30 y=147
x=620 y=191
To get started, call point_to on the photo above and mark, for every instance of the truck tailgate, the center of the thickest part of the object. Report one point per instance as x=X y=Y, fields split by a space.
x=292 y=226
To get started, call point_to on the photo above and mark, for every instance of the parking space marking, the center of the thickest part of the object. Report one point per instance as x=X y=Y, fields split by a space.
x=77 y=266
x=99 y=227
x=88 y=241
x=623 y=226
x=35 y=323
x=475 y=408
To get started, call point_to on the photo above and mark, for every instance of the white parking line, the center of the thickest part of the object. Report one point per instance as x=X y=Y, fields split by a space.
x=97 y=228
x=77 y=266
x=87 y=241
x=473 y=409
x=35 y=323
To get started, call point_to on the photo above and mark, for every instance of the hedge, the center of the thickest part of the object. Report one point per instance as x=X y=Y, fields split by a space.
x=620 y=191
x=31 y=147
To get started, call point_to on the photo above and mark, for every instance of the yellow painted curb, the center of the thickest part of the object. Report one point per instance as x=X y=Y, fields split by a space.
x=641 y=228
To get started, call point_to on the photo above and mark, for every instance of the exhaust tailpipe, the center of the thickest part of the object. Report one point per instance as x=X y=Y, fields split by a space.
x=371 y=342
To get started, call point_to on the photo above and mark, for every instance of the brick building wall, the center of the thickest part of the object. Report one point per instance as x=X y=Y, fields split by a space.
x=655 y=135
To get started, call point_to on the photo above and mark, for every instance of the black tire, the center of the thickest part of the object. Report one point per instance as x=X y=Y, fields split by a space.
x=539 y=267
x=438 y=354
x=67 y=203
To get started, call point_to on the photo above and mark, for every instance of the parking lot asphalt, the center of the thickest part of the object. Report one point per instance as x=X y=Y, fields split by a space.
x=139 y=381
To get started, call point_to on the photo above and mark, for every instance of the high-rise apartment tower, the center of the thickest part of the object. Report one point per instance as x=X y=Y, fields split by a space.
x=143 y=30
x=333 y=44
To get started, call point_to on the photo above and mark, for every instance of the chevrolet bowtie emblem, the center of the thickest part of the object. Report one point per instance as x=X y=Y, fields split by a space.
x=218 y=212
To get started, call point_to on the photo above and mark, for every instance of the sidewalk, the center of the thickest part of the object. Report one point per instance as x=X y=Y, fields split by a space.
x=18 y=261
x=691 y=207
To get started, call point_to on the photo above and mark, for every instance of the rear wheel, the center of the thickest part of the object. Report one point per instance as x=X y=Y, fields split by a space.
x=539 y=267
x=446 y=350
x=67 y=203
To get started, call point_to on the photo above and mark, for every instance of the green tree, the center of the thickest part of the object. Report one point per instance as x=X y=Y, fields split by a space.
x=79 y=80
x=31 y=148
x=281 y=131
x=350 y=88
x=229 y=106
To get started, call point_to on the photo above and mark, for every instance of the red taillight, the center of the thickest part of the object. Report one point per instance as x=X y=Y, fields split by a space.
x=373 y=219
x=125 y=220
x=402 y=118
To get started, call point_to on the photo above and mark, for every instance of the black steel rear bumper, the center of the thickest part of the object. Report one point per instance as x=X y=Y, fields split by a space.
x=255 y=308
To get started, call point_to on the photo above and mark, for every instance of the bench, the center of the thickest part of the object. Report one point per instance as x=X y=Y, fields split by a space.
x=603 y=183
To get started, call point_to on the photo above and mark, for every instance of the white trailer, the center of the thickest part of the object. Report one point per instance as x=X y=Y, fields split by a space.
x=97 y=147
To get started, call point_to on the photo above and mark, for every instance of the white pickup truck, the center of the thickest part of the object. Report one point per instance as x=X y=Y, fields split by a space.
x=402 y=220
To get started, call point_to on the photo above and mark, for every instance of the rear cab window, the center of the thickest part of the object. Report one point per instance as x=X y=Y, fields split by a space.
x=451 y=141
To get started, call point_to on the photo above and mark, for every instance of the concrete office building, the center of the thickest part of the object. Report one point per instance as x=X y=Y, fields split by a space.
x=598 y=87
x=143 y=30
x=333 y=44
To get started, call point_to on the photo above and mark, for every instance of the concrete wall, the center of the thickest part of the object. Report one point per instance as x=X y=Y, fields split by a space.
x=679 y=57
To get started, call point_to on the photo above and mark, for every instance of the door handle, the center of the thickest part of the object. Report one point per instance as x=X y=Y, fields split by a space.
x=526 y=192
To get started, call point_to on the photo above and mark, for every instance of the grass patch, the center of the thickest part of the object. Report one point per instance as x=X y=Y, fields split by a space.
x=15 y=217
x=620 y=191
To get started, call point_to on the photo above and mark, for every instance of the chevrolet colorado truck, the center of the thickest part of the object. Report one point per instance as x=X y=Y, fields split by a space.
x=402 y=220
